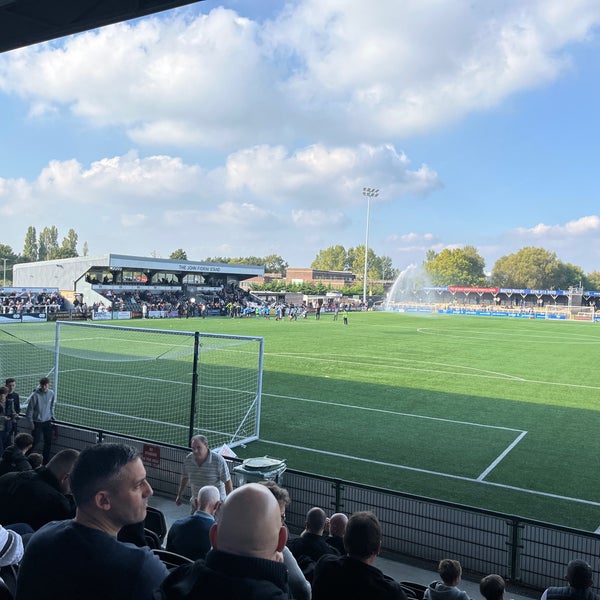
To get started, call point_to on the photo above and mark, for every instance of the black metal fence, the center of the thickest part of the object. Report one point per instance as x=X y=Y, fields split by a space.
x=528 y=553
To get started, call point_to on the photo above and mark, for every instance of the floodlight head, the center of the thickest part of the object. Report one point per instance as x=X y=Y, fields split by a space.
x=370 y=192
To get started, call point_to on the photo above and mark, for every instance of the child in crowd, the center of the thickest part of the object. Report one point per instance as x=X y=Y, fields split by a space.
x=450 y=572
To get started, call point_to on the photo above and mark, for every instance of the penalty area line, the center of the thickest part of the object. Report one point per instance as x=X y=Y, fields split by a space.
x=439 y=474
x=495 y=463
x=395 y=412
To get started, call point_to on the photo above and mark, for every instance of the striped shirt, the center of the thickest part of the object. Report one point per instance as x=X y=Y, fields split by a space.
x=213 y=471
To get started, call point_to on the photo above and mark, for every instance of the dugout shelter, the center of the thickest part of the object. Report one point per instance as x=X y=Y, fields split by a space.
x=95 y=279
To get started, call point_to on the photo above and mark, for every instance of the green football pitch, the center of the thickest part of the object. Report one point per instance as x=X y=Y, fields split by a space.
x=494 y=413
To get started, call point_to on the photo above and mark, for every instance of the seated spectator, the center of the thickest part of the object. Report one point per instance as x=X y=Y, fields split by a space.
x=40 y=496
x=492 y=587
x=13 y=457
x=189 y=536
x=35 y=459
x=353 y=576
x=298 y=584
x=135 y=533
x=311 y=545
x=245 y=560
x=337 y=529
x=579 y=577
x=11 y=547
x=450 y=572
x=81 y=557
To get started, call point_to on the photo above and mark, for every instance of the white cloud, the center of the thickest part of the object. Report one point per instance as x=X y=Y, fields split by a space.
x=319 y=219
x=262 y=197
x=133 y=220
x=334 y=71
x=321 y=175
x=589 y=225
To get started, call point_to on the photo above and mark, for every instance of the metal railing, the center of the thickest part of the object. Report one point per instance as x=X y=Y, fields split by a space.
x=528 y=553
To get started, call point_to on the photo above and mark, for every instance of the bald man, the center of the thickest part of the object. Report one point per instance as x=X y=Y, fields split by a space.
x=337 y=529
x=245 y=560
x=190 y=536
x=311 y=545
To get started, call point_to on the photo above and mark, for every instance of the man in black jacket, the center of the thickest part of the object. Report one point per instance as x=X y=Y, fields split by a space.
x=311 y=545
x=354 y=577
x=40 y=496
x=245 y=561
x=13 y=457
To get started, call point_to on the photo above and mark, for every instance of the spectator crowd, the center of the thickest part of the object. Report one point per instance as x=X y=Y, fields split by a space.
x=70 y=531
x=30 y=302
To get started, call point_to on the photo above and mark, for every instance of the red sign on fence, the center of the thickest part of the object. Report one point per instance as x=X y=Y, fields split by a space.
x=151 y=455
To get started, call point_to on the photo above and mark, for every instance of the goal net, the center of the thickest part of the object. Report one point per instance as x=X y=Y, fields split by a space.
x=158 y=385
x=27 y=354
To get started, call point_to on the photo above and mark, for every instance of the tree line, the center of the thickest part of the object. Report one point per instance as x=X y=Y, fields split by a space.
x=44 y=246
x=529 y=268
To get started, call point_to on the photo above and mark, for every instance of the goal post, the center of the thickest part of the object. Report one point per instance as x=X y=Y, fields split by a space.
x=159 y=385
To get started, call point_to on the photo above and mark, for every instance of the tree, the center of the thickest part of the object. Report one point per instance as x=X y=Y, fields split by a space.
x=178 y=254
x=6 y=252
x=48 y=243
x=68 y=248
x=388 y=272
x=30 y=247
x=460 y=266
x=217 y=259
x=70 y=241
x=275 y=264
x=85 y=248
x=529 y=268
x=569 y=275
x=331 y=259
x=356 y=262
x=593 y=281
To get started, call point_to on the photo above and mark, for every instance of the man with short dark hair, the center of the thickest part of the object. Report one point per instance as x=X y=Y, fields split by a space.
x=40 y=413
x=353 y=576
x=245 y=560
x=39 y=496
x=81 y=557
x=189 y=536
x=579 y=577
x=13 y=457
x=492 y=587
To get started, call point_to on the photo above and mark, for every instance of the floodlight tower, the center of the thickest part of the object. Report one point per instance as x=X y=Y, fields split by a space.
x=368 y=193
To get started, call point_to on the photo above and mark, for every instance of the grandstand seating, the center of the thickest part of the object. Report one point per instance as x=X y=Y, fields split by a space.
x=170 y=559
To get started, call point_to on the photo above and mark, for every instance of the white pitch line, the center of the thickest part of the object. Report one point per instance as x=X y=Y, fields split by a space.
x=393 y=412
x=501 y=457
x=478 y=372
x=482 y=375
x=447 y=475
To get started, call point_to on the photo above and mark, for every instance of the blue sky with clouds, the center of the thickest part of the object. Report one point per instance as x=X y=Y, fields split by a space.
x=251 y=127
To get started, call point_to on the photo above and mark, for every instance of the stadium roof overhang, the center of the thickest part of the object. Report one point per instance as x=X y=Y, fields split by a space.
x=26 y=22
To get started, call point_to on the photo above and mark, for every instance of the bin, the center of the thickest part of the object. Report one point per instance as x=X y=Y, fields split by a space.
x=261 y=468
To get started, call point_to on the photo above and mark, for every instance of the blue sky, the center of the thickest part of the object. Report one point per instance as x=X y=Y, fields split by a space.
x=251 y=127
